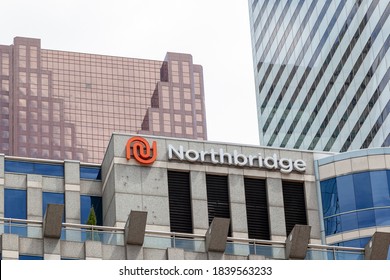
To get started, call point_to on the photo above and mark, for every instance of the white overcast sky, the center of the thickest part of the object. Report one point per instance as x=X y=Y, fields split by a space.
x=215 y=32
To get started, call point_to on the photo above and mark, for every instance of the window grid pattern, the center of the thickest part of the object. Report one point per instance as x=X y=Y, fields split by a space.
x=356 y=201
x=321 y=73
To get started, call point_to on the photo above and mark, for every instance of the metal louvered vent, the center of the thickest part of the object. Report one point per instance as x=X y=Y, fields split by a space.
x=218 y=197
x=179 y=191
x=294 y=204
x=256 y=208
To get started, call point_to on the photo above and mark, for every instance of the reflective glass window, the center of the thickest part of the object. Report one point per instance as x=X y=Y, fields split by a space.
x=92 y=173
x=34 y=168
x=382 y=217
x=346 y=196
x=363 y=193
x=349 y=221
x=86 y=202
x=15 y=203
x=52 y=198
x=332 y=225
x=329 y=197
x=380 y=188
x=366 y=218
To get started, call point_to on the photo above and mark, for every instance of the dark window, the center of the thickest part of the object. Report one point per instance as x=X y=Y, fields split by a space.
x=86 y=202
x=180 y=212
x=29 y=257
x=91 y=173
x=217 y=197
x=256 y=208
x=294 y=204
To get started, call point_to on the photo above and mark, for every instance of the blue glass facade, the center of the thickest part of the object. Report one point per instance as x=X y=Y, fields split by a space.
x=26 y=167
x=356 y=201
x=90 y=173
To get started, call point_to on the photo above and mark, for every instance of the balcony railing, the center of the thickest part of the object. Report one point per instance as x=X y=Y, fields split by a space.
x=188 y=242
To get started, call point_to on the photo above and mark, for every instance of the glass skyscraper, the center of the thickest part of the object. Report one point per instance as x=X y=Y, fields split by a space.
x=322 y=72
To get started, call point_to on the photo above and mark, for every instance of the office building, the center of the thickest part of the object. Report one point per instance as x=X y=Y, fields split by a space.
x=168 y=198
x=322 y=71
x=65 y=105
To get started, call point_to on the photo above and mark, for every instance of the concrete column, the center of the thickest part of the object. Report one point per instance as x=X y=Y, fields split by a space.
x=72 y=191
x=93 y=250
x=276 y=209
x=313 y=217
x=238 y=217
x=200 y=216
x=34 y=197
x=2 y=178
x=9 y=246
x=239 y=222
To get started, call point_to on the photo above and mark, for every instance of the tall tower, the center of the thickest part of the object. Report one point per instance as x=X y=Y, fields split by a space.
x=65 y=105
x=322 y=71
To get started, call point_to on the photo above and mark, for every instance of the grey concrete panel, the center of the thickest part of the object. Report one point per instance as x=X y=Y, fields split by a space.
x=108 y=157
x=134 y=252
x=378 y=246
x=216 y=235
x=195 y=256
x=256 y=257
x=128 y=178
x=311 y=195
x=52 y=223
x=154 y=181
x=17 y=181
x=10 y=242
x=277 y=221
x=72 y=172
x=93 y=249
x=52 y=246
x=158 y=210
x=109 y=213
x=308 y=158
x=111 y=252
x=297 y=241
x=274 y=192
x=239 y=218
x=236 y=189
x=52 y=184
x=198 y=185
x=1 y=199
x=34 y=204
x=124 y=203
x=1 y=165
x=200 y=214
x=72 y=206
x=235 y=257
x=90 y=187
x=72 y=250
x=175 y=254
x=155 y=254
x=215 y=255
x=108 y=192
x=313 y=220
x=31 y=246
x=135 y=228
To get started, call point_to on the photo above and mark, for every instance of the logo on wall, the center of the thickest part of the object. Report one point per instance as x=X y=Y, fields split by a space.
x=140 y=149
